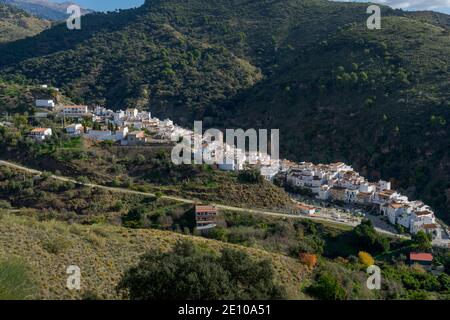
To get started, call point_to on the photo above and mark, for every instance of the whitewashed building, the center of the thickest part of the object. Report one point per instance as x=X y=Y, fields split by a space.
x=75 y=111
x=75 y=129
x=107 y=135
x=45 y=104
x=40 y=134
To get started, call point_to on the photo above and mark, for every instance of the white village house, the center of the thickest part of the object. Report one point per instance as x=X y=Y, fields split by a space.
x=339 y=182
x=75 y=129
x=45 y=104
x=75 y=111
x=40 y=134
x=107 y=135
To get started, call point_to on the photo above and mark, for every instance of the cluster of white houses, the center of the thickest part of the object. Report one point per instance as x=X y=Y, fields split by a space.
x=339 y=182
x=331 y=182
x=129 y=127
x=236 y=159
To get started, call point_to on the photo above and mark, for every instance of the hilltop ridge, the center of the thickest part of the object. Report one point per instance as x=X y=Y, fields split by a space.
x=16 y=24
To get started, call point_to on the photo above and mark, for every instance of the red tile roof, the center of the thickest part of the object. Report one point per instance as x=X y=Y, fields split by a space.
x=420 y=256
x=396 y=205
x=39 y=130
x=302 y=206
x=423 y=213
x=205 y=209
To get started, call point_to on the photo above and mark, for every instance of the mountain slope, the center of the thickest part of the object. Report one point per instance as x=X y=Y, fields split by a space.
x=17 y=24
x=103 y=253
x=193 y=35
x=378 y=99
x=44 y=8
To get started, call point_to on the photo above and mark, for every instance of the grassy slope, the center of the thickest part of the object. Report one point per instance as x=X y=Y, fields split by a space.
x=103 y=253
x=17 y=24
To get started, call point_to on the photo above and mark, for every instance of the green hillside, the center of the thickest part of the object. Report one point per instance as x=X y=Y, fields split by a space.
x=17 y=96
x=17 y=24
x=377 y=99
x=56 y=223
x=41 y=252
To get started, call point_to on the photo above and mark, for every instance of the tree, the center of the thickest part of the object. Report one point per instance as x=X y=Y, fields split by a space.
x=366 y=238
x=444 y=280
x=250 y=176
x=365 y=258
x=250 y=279
x=191 y=272
x=20 y=120
x=422 y=240
x=134 y=218
x=327 y=287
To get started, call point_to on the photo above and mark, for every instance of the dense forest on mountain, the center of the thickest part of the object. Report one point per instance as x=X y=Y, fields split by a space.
x=377 y=99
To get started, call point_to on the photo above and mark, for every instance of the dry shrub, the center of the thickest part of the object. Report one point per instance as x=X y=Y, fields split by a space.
x=308 y=259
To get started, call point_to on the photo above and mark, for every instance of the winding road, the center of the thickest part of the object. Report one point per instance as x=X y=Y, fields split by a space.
x=190 y=201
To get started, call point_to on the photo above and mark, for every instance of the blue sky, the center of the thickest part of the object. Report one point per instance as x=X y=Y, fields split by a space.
x=435 y=5
x=105 y=5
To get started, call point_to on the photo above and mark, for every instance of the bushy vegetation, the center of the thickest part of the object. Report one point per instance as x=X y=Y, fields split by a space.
x=365 y=236
x=289 y=236
x=142 y=169
x=191 y=272
x=327 y=288
x=103 y=253
x=365 y=258
x=418 y=284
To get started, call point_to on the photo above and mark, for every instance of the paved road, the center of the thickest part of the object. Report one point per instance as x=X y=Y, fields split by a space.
x=219 y=206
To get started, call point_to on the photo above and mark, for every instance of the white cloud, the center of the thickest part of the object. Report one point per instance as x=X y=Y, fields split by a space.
x=414 y=4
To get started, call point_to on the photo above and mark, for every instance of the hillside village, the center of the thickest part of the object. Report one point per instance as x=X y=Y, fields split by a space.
x=340 y=182
x=95 y=205
x=337 y=182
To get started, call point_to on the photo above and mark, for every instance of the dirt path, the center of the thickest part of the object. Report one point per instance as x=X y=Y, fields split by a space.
x=219 y=206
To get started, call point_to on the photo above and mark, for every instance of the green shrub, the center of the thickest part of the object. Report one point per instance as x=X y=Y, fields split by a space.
x=327 y=287
x=191 y=272
x=134 y=218
x=55 y=244
x=250 y=176
x=368 y=239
